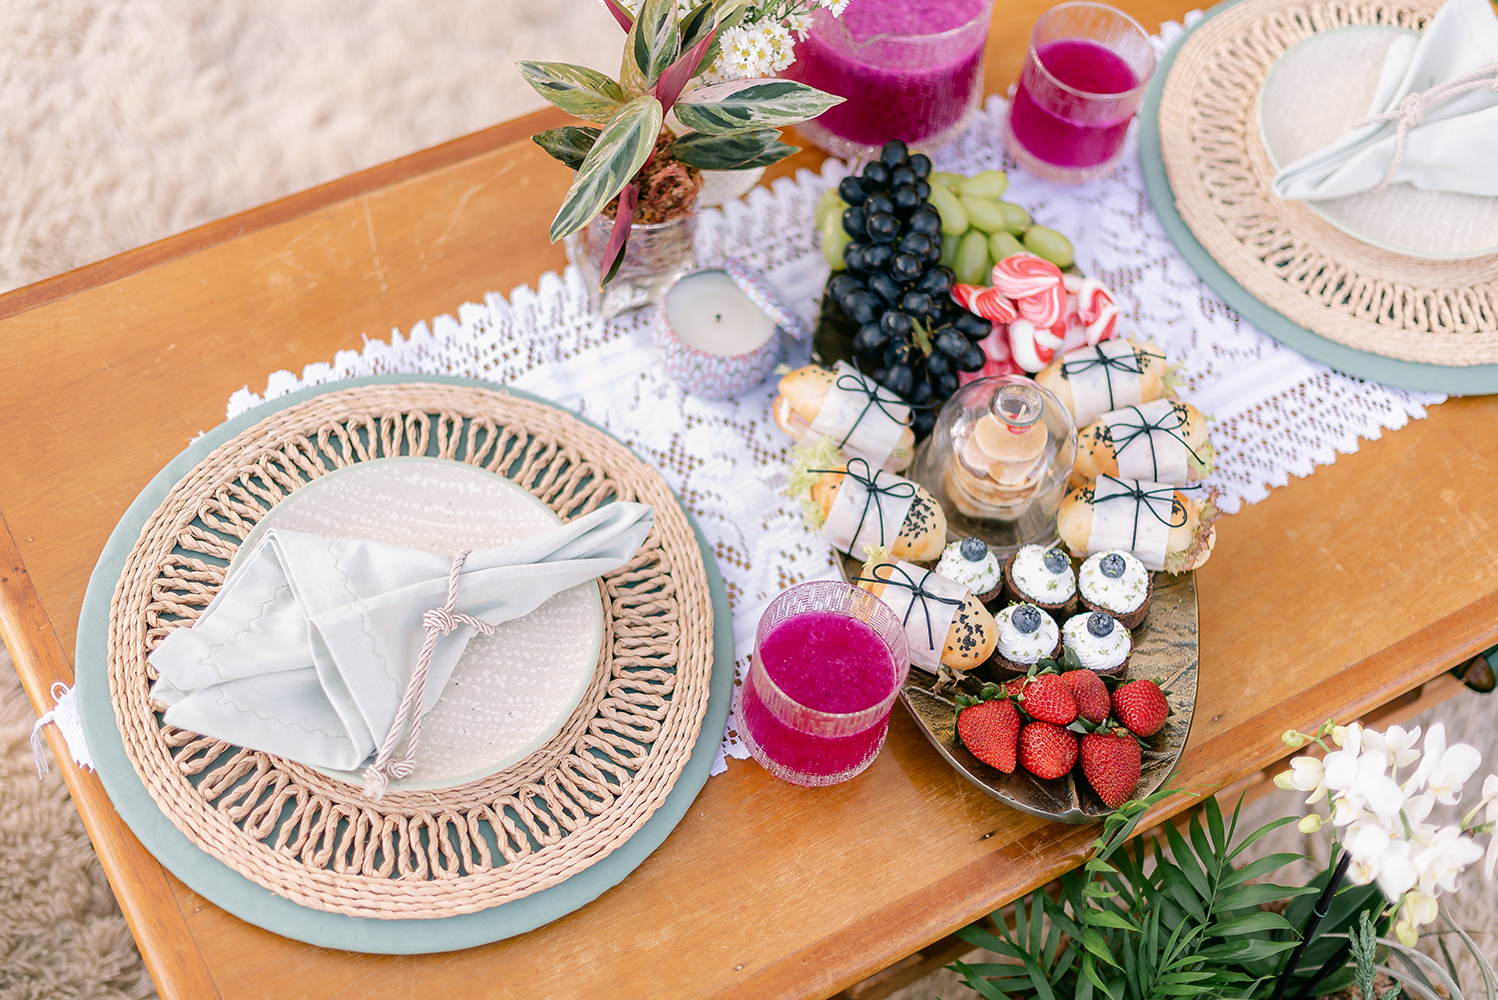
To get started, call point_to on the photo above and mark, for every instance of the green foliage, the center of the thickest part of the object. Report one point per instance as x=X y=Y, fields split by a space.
x=570 y=144
x=577 y=90
x=617 y=155
x=746 y=105
x=724 y=152
x=1365 y=967
x=653 y=43
x=1136 y=923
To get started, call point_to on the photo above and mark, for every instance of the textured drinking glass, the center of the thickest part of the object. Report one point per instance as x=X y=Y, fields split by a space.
x=909 y=69
x=828 y=663
x=1084 y=76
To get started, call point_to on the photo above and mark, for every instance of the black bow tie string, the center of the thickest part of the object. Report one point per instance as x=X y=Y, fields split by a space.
x=1128 y=363
x=869 y=389
x=874 y=489
x=918 y=592
x=1133 y=490
x=1133 y=431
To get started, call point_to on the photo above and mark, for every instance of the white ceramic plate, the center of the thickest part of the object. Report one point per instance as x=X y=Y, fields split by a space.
x=1311 y=95
x=511 y=691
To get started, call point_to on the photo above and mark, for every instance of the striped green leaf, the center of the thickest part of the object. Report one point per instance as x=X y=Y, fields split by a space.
x=746 y=105
x=577 y=90
x=723 y=152
x=569 y=144
x=776 y=152
x=613 y=161
x=653 y=44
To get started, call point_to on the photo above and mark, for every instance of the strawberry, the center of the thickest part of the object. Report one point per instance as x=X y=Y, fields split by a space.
x=1046 y=750
x=1014 y=686
x=1093 y=703
x=1047 y=698
x=1141 y=706
x=1110 y=762
x=990 y=729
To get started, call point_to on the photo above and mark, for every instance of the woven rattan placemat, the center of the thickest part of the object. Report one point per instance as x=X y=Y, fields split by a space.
x=1412 y=309
x=430 y=854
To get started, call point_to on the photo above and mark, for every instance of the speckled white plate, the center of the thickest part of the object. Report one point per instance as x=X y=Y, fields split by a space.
x=510 y=691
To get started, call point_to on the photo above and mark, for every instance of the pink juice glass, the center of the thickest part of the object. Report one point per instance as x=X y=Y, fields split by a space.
x=909 y=69
x=828 y=663
x=1084 y=75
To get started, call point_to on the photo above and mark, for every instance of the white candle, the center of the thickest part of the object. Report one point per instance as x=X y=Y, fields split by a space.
x=710 y=312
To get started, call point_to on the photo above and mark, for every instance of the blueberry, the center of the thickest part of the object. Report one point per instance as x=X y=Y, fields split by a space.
x=875 y=177
x=894 y=154
x=905 y=267
x=851 y=191
x=1100 y=625
x=920 y=165
x=1025 y=619
x=1112 y=565
x=973 y=549
x=882 y=227
x=1055 y=560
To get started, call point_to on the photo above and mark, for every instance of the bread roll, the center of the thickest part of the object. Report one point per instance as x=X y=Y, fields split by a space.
x=1097 y=455
x=1151 y=384
x=801 y=394
x=923 y=533
x=970 y=638
x=1187 y=547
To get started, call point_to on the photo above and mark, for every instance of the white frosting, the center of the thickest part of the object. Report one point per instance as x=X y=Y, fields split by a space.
x=1017 y=647
x=1122 y=595
x=1160 y=455
x=1092 y=652
x=870 y=432
x=1090 y=395
x=1035 y=580
x=926 y=643
x=885 y=513
x=1122 y=521
x=980 y=577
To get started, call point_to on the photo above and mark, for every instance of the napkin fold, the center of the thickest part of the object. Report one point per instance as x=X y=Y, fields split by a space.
x=1437 y=110
x=311 y=644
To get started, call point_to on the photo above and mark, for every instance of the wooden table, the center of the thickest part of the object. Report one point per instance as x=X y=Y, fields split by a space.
x=1332 y=596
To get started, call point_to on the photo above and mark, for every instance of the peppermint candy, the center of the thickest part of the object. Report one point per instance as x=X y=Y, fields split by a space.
x=1022 y=275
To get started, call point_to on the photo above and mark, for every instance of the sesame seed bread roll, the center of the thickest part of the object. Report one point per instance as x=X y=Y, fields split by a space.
x=923 y=533
x=802 y=393
x=1097 y=448
x=1187 y=546
x=1128 y=387
x=971 y=636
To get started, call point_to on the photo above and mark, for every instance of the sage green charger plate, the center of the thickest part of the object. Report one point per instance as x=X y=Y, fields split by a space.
x=1466 y=380
x=250 y=902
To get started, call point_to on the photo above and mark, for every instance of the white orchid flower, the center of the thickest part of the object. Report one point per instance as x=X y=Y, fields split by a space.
x=1360 y=783
x=1444 y=769
x=1418 y=909
x=1396 y=870
x=1395 y=744
x=1438 y=864
x=1306 y=774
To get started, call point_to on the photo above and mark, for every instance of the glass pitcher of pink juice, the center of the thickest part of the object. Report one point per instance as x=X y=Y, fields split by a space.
x=1083 y=79
x=909 y=70
x=828 y=663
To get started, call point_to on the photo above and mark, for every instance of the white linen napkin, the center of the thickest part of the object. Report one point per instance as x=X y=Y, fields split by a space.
x=1437 y=143
x=310 y=646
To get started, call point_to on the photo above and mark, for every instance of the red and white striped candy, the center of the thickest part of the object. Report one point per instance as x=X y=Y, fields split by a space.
x=1076 y=335
x=1045 y=309
x=1092 y=300
x=1105 y=327
x=1021 y=275
x=992 y=305
x=1031 y=349
x=996 y=345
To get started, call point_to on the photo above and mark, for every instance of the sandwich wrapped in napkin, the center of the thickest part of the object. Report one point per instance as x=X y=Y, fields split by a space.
x=1433 y=120
x=321 y=650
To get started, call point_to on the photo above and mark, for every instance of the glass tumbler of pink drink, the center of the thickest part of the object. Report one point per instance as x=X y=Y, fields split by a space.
x=828 y=663
x=1084 y=75
x=909 y=70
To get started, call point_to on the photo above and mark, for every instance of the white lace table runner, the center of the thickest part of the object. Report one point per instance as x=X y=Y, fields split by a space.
x=1278 y=414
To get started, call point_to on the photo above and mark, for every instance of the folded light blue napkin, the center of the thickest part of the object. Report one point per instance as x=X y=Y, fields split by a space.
x=308 y=649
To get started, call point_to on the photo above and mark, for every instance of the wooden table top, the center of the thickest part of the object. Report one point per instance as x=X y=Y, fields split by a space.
x=1332 y=596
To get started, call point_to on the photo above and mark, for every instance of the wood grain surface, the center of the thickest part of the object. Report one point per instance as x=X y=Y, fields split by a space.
x=1336 y=594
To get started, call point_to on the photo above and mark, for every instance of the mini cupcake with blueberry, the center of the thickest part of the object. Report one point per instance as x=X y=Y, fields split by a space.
x=1043 y=577
x=1102 y=644
x=971 y=564
x=1118 y=584
x=1026 y=635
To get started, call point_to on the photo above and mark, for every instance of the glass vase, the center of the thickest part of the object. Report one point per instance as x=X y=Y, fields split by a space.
x=656 y=256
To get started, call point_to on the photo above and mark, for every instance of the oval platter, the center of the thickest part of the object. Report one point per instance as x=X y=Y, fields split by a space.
x=1165 y=650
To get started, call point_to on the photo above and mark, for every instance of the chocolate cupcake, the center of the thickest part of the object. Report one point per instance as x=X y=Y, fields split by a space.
x=1101 y=644
x=1118 y=584
x=1042 y=577
x=971 y=564
x=1026 y=635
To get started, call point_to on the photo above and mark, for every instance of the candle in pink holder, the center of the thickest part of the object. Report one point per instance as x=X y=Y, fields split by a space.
x=910 y=70
x=1084 y=76
x=828 y=663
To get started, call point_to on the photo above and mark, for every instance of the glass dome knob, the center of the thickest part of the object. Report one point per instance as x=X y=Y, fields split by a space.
x=1019 y=406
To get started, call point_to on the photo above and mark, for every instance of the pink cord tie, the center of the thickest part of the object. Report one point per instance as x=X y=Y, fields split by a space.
x=1411 y=110
x=438 y=622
